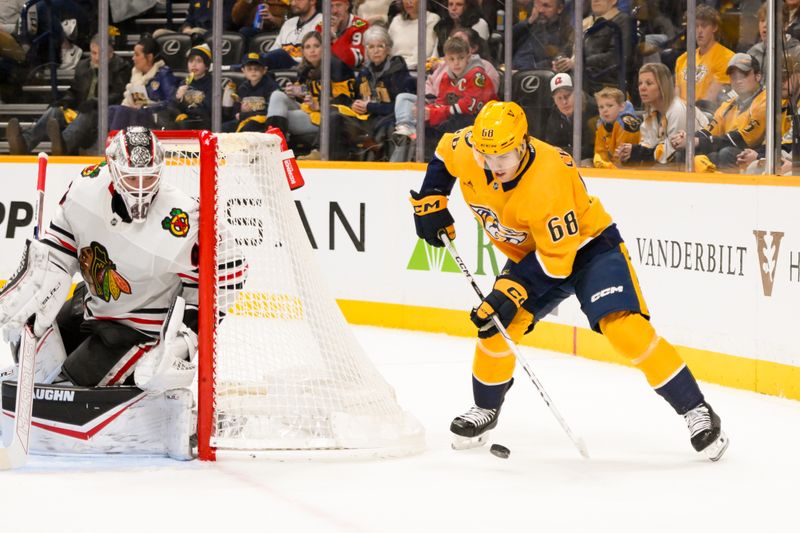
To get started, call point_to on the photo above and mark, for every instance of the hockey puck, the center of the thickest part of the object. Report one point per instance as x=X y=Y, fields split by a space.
x=498 y=450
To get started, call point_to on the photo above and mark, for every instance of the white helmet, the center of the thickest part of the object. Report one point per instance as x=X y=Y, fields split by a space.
x=136 y=160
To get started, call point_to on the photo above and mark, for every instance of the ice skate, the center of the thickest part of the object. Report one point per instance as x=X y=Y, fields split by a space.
x=706 y=431
x=471 y=429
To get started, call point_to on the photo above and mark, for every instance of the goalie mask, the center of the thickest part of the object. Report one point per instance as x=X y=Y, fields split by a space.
x=136 y=160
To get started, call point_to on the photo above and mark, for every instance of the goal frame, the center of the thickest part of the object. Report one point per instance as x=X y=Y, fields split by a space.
x=206 y=297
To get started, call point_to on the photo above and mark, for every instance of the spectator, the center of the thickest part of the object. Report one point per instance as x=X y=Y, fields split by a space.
x=462 y=92
x=543 y=38
x=378 y=84
x=711 y=61
x=664 y=115
x=739 y=123
x=460 y=14
x=347 y=34
x=617 y=124
x=559 y=124
x=374 y=11
x=657 y=28
x=10 y=11
x=470 y=36
x=752 y=160
x=271 y=15
x=287 y=50
x=248 y=102
x=757 y=50
x=293 y=118
x=198 y=20
x=150 y=90
x=72 y=123
x=793 y=18
x=607 y=47
x=191 y=107
x=403 y=31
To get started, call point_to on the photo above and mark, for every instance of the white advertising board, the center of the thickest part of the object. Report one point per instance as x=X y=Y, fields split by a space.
x=719 y=264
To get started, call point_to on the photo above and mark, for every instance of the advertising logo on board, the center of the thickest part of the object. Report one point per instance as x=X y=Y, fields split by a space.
x=768 y=244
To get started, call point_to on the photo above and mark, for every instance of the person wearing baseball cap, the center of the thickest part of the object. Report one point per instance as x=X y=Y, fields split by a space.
x=738 y=124
x=559 y=124
x=246 y=105
x=191 y=106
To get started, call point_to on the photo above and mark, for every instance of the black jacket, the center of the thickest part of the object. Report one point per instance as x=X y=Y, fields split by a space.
x=607 y=52
x=382 y=83
x=78 y=97
x=559 y=130
x=537 y=45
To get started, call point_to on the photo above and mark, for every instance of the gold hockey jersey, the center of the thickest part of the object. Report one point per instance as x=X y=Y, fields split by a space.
x=539 y=220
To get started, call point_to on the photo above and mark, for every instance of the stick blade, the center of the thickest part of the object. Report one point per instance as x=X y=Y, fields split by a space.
x=16 y=454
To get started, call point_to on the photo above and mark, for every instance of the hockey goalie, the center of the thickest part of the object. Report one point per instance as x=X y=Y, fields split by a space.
x=115 y=359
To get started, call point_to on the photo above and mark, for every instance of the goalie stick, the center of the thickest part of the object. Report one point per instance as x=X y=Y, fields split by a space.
x=577 y=441
x=16 y=454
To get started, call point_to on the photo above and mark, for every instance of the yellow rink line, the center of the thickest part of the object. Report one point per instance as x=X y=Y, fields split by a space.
x=729 y=370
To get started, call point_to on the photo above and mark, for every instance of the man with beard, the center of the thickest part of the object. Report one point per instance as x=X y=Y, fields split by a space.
x=543 y=37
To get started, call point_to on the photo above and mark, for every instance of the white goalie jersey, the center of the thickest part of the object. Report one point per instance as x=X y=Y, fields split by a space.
x=133 y=271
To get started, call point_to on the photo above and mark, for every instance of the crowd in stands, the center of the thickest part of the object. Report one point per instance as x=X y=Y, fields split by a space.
x=633 y=100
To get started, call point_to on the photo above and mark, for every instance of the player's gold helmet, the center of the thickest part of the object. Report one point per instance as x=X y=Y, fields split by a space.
x=499 y=128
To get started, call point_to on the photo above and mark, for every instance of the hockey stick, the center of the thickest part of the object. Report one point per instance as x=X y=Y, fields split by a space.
x=577 y=441
x=16 y=455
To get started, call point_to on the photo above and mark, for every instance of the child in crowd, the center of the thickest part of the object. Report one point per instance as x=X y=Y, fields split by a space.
x=192 y=103
x=247 y=103
x=618 y=124
x=462 y=92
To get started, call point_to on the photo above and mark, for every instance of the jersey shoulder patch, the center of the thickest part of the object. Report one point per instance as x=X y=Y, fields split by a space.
x=631 y=123
x=359 y=23
x=92 y=171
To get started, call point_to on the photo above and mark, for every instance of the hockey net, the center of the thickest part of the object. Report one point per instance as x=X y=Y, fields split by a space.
x=279 y=367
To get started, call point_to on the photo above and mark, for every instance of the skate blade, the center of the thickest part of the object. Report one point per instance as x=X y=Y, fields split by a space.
x=465 y=443
x=715 y=450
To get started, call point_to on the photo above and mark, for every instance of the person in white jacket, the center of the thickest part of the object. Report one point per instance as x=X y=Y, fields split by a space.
x=665 y=115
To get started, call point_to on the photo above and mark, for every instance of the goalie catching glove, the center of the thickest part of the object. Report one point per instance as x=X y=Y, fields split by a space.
x=169 y=364
x=431 y=216
x=39 y=289
x=507 y=296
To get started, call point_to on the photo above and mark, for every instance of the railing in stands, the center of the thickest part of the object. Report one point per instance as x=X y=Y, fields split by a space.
x=51 y=33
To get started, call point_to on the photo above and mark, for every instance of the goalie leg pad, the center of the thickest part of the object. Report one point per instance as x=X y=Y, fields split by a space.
x=106 y=420
x=181 y=424
x=50 y=356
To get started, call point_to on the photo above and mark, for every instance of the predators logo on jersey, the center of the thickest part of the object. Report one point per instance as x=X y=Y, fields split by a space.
x=100 y=273
x=491 y=224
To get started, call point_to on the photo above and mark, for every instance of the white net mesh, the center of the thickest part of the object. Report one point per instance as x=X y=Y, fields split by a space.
x=289 y=373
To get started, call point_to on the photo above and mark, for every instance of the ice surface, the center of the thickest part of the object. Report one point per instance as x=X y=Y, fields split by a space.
x=643 y=474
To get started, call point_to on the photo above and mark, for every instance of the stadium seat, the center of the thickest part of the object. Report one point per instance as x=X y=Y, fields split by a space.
x=284 y=77
x=232 y=47
x=531 y=90
x=232 y=76
x=174 y=47
x=261 y=43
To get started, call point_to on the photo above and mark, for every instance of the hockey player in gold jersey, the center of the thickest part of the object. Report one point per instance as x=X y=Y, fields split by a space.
x=532 y=203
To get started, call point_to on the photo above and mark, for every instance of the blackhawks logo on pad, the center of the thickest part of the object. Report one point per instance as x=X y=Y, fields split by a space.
x=100 y=273
x=177 y=222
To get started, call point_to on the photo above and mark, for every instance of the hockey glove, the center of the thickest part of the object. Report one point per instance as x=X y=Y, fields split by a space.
x=432 y=216
x=39 y=288
x=507 y=296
